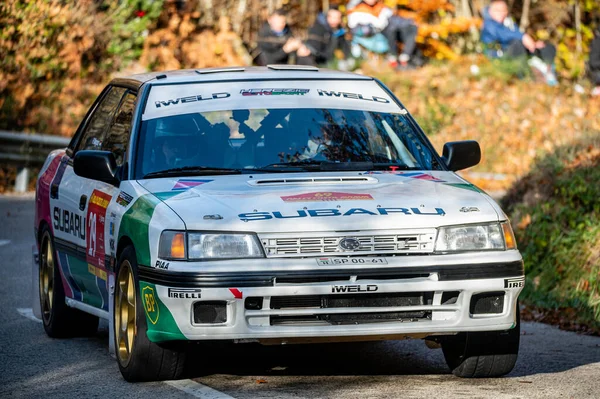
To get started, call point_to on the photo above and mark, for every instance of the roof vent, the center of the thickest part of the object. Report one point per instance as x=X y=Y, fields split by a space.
x=286 y=67
x=217 y=70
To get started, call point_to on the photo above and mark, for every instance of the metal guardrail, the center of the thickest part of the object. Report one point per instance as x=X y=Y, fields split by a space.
x=26 y=151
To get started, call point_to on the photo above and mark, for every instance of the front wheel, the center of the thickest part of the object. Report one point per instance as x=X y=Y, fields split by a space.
x=138 y=358
x=483 y=354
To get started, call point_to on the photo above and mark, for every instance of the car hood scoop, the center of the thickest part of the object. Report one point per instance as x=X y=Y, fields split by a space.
x=308 y=180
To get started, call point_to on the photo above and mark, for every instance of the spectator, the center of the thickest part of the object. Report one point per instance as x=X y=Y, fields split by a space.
x=594 y=63
x=325 y=38
x=276 y=43
x=503 y=39
x=368 y=18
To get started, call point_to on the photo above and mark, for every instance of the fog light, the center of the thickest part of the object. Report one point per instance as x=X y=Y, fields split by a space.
x=210 y=312
x=254 y=303
x=487 y=303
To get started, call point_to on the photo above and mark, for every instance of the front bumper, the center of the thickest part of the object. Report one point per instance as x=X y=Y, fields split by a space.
x=445 y=304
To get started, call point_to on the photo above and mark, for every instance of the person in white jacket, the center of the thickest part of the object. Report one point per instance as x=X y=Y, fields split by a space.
x=371 y=17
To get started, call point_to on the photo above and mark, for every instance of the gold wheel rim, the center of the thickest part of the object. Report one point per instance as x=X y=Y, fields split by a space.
x=125 y=310
x=46 y=277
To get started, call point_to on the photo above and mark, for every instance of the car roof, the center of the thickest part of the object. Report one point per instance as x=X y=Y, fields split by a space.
x=269 y=72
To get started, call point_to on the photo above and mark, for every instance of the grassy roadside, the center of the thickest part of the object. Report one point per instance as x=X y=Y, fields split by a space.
x=555 y=210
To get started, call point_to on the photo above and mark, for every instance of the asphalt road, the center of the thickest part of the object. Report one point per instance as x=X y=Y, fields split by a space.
x=552 y=363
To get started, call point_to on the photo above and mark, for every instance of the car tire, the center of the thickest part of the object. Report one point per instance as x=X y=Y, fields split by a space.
x=59 y=320
x=138 y=358
x=483 y=354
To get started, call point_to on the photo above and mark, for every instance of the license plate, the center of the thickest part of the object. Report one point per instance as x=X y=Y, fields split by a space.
x=351 y=261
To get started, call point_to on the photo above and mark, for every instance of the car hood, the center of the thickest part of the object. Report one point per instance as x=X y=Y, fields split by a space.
x=325 y=201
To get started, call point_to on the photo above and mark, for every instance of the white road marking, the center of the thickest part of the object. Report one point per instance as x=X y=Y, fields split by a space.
x=28 y=312
x=193 y=388
x=198 y=390
x=4 y=242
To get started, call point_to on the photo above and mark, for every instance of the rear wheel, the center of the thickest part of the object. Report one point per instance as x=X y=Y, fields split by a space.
x=138 y=358
x=483 y=354
x=60 y=321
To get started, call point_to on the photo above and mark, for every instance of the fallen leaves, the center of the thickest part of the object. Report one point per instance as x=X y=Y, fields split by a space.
x=565 y=318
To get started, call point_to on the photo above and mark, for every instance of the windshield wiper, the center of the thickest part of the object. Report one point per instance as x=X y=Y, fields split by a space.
x=193 y=170
x=293 y=164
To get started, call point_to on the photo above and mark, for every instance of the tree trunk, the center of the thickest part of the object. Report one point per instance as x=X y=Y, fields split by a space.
x=578 y=26
x=466 y=9
x=525 y=15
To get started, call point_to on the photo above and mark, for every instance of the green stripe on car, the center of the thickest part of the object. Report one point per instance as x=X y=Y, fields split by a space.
x=160 y=321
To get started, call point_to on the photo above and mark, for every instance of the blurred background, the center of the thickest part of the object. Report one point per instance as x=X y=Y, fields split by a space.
x=541 y=143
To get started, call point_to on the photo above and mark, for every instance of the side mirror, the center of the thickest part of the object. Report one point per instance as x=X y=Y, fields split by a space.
x=460 y=155
x=96 y=165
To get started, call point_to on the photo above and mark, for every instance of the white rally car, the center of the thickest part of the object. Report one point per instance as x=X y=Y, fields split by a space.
x=280 y=204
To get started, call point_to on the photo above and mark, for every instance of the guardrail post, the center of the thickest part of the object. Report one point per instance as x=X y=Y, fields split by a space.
x=22 y=180
x=26 y=151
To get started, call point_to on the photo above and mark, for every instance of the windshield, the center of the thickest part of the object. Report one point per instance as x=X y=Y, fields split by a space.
x=279 y=139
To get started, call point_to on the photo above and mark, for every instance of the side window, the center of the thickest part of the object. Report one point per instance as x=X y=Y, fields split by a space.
x=92 y=136
x=117 y=138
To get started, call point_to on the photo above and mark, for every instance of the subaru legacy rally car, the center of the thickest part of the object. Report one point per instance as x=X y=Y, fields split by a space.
x=280 y=204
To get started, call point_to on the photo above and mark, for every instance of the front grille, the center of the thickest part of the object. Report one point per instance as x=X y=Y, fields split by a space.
x=352 y=301
x=359 y=275
x=289 y=246
x=351 y=318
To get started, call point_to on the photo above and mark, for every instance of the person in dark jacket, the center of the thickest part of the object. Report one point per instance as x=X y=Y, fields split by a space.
x=503 y=39
x=276 y=44
x=594 y=63
x=326 y=37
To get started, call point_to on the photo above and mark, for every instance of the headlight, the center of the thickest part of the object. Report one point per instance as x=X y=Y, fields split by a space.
x=220 y=246
x=492 y=236
x=179 y=245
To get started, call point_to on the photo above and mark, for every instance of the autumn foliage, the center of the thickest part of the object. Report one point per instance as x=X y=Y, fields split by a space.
x=48 y=50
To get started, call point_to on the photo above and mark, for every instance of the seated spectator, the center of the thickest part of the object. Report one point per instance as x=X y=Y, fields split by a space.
x=594 y=63
x=276 y=43
x=503 y=39
x=370 y=18
x=325 y=38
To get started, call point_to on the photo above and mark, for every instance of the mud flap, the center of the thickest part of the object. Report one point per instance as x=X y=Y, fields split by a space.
x=111 y=320
x=35 y=279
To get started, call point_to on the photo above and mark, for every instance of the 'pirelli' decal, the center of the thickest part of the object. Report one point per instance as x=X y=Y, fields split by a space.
x=517 y=282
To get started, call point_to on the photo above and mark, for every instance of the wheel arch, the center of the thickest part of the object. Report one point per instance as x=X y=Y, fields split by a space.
x=43 y=223
x=123 y=243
